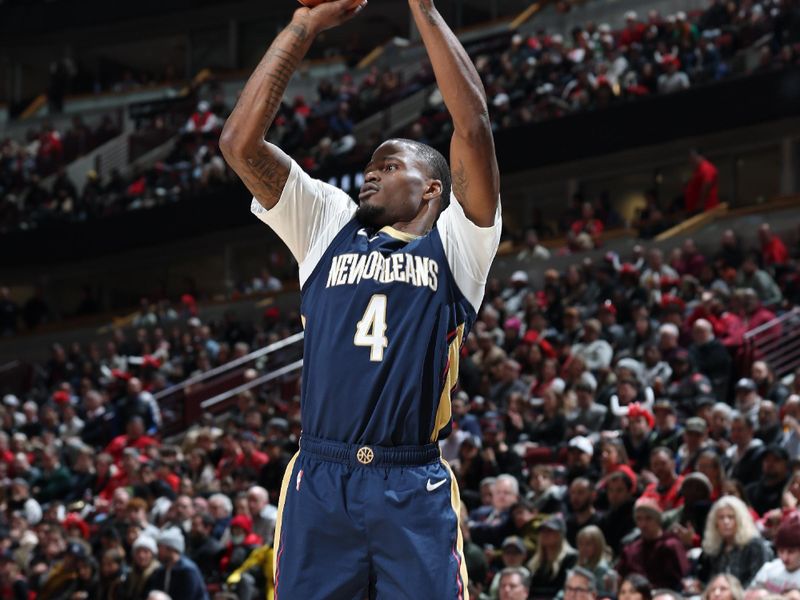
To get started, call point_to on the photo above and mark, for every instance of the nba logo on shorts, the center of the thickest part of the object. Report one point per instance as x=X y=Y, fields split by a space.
x=299 y=479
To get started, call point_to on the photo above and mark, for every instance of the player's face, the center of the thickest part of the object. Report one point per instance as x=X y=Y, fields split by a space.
x=395 y=186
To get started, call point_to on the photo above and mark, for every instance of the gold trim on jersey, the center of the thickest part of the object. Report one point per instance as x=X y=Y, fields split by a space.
x=445 y=411
x=276 y=543
x=400 y=235
x=455 y=502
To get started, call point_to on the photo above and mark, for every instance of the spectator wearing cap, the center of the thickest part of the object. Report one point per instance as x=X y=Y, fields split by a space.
x=666 y=489
x=514 y=296
x=513 y=554
x=766 y=492
x=579 y=458
x=56 y=576
x=686 y=386
x=617 y=522
x=144 y=553
x=241 y=542
x=511 y=331
x=588 y=416
x=666 y=432
x=695 y=440
x=613 y=332
x=745 y=453
x=595 y=351
x=782 y=574
x=657 y=555
x=636 y=436
x=553 y=559
x=177 y=576
x=580 y=500
x=731 y=542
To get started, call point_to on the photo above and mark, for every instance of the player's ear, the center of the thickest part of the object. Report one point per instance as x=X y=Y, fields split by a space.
x=433 y=190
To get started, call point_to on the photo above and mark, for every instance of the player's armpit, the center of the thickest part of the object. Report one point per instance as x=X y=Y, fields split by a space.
x=264 y=172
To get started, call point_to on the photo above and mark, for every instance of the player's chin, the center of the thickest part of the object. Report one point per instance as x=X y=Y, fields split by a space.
x=370 y=215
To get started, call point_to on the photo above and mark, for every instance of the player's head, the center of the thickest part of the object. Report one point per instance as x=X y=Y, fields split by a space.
x=404 y=180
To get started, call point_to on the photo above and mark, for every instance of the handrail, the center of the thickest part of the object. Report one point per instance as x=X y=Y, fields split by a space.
x=206 y=404
x=751 y=333
x=229 y=366
x=694 y=223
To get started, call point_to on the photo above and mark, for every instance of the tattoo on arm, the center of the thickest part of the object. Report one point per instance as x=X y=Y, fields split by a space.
x=460 y=181
x=266 y=173
x=427 y=12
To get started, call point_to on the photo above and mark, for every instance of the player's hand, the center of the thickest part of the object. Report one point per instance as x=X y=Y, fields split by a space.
x=330 y=14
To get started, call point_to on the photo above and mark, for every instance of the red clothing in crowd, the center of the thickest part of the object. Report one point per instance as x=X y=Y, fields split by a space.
x=706 y=174
x=118 y=445
x=667 y=499
x=593 y=227
x=774 y=252
x=662 y=561
x=632 y=35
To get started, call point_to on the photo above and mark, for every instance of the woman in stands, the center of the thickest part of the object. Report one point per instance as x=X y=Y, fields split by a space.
x=593 y=555
x=635 y=587
x=553 y=559
x=731 y=543
x=724 y=587
x=709 y=464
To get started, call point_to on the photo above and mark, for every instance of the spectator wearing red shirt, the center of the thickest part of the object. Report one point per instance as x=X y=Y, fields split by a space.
x=667 y=490
x=134 y=437
x=588 y=223
x=702 y=191
x=773 y=250
x=633 y=32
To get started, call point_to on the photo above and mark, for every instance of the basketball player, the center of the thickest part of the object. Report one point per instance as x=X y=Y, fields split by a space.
x=390 y=288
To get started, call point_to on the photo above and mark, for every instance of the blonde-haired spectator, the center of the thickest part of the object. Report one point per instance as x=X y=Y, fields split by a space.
x=731 y=542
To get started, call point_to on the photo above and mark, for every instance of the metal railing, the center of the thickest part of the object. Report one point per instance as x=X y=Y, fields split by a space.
x=777 y=342
x=215 y=390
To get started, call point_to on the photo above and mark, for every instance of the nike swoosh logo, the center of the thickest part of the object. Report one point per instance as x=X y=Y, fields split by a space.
x=433 y=486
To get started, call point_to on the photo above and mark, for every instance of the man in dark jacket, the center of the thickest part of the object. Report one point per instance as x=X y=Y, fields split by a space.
x=204 y=549
x=177 y=576
x=711 y=358
x=765 y=494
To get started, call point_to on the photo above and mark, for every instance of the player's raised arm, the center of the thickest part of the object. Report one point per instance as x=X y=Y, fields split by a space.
x=476 y=180
x=263 y=167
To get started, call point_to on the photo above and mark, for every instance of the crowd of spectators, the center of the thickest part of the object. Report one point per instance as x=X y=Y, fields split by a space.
x=543 y=75
x=538 y=76
x=613 y=435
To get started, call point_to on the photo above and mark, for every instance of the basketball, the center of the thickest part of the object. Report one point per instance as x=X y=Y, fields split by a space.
x=313 y=3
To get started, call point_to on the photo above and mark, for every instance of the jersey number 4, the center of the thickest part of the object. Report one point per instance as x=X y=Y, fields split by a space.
x=371 y=329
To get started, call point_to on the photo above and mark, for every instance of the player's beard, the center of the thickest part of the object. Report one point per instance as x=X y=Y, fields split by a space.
x=370 y=215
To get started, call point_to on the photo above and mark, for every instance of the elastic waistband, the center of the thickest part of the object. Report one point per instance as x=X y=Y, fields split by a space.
x=367 y=455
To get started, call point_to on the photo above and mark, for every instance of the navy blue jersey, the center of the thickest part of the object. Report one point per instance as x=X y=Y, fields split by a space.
x=384 y=313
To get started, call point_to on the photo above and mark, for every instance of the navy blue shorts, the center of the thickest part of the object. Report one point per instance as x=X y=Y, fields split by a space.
x=358 y=522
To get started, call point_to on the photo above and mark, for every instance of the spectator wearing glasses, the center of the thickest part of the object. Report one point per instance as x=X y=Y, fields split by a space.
x=581 y=584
